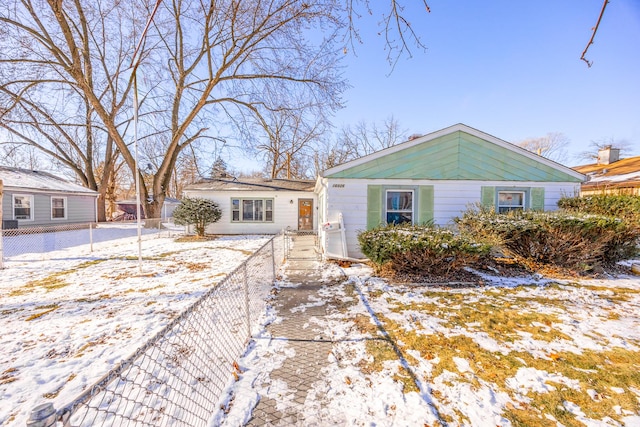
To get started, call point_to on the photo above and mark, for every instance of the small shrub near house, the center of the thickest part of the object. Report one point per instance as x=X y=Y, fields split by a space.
x=197 y=212
x=572 y=240
x=626 y=207
x=418 y=250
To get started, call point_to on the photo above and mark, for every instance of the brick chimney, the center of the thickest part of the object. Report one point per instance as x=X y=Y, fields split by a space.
x=608 y=155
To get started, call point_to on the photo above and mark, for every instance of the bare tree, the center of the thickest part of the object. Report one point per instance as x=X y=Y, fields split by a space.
x=591 y=154
x=289 y=135
x=593 y=34
x=358 y=141
x=201 y=63
x=394 y=23
x=553 y=146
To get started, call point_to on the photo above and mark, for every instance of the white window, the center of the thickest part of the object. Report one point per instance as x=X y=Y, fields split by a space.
x=252 y=210
x=510 y=200
x=23 y=207
x=399 y=206
x=58 y=208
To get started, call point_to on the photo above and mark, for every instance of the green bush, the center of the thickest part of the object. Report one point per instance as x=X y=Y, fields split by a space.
x=563 y=239
x=419 y=250
x=621 y=206
x=196 y=211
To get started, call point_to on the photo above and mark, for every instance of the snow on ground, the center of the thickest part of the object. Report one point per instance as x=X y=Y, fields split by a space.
x=515 y=352
x=511 y=353
x=67 y=320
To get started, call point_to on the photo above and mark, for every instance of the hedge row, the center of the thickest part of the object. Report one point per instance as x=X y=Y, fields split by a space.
x=620 y=206
x=565 y=239
x=418 y=250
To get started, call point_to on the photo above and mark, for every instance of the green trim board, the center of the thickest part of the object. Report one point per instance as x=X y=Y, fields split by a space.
x=423 y=203
x=456 y=156
x=374 y=206
x=488 y=197
x=537 y=198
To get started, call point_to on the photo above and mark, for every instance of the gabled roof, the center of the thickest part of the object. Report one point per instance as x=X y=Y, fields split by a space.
x=252 y=184
x=623 y=173
x=458 y=152
x=16 y=179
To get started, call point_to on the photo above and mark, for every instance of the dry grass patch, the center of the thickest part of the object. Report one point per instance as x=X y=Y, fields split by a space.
x=48 y=283
x=365 y=325
x=8 y=376
x=380 y=351
x=197 y=266
x=606 y=380
x=46 y=309
x=350 y=298
x=599 y=372
x=99 y=341
x=54 y=394
x=196 y=238
x=493 y=317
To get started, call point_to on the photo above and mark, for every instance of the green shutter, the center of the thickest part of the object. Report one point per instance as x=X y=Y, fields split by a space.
x=374 y=206
x=488 y=197
x=425 y=200
x=537 y=198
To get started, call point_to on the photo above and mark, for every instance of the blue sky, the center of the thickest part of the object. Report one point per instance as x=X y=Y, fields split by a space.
x=508 y=68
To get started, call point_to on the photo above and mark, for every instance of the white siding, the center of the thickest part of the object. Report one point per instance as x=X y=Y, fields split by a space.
x=451 y=198
x=285 y=213
x=351 y=201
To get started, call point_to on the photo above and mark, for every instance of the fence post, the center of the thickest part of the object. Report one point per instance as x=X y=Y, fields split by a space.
x=246 y=300
x=273 y=260
x=43 y=415
x=91 y=237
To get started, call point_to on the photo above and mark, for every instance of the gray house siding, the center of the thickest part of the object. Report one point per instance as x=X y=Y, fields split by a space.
x=78 y=208
x=39 y=189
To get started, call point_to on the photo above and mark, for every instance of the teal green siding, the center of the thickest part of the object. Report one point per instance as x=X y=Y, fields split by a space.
x=425 y=207
x=537 y=198
x=457 y=156
x=374 y=206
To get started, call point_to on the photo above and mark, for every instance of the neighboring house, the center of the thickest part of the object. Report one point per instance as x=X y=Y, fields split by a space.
x=259 y=205
x=610 y=175
x=126 y=209
x=33 y=198
x=434 y=178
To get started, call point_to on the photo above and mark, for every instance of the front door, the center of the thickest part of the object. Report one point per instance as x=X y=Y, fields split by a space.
x=305 y=214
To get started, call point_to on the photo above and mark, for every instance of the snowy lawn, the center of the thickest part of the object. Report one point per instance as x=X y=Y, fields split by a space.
x=517 y=352
x=66 y=321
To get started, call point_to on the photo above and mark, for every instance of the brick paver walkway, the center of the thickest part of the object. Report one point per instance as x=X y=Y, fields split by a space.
x=310 y=346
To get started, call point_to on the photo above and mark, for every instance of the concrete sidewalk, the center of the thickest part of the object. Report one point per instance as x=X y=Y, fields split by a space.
x=303 y=282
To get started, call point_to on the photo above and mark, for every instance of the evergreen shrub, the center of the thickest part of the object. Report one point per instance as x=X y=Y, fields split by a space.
x=418 y=250
x=197 y=212
x=626 y=207
x=572 y=240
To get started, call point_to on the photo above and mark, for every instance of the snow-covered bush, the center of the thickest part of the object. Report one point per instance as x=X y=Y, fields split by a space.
x=416 y=250
x=564 y=239
x=626 y=207
x=196 y=211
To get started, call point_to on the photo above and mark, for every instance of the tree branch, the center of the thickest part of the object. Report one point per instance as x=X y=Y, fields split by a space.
x=593 y=35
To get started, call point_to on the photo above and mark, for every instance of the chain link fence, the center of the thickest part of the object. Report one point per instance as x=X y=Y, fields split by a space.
x=179 y=376
x=43 y=241
x=306 y=241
